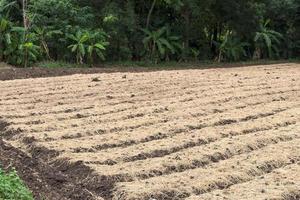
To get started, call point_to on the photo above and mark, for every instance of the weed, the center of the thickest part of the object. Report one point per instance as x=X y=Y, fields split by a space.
x=12 y=187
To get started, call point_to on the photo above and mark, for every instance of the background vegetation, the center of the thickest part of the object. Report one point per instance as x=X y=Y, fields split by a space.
x=11 y=187
x=91 y=31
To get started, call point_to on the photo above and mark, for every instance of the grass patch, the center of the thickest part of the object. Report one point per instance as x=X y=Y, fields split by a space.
x=12 y=187
x=193 y=65
x=162 y=65
x=4 y=65
x=59 y=64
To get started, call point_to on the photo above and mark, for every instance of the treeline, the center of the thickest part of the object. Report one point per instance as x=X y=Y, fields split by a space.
x=90 y=31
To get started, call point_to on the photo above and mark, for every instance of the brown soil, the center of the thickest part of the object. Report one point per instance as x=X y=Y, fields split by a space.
x=46 y=182
x=163 y=135
x=12 y=73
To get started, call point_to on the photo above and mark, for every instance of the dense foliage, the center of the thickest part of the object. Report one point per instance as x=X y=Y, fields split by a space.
x=89 y=31
x=11 y=187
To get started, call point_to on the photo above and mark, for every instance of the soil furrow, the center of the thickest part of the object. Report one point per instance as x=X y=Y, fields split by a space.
x=206 y=154
x=129 y=125
x=281 y=184
x=71 y=99
x=91 y=113
x=221 y=175
x=113 y=140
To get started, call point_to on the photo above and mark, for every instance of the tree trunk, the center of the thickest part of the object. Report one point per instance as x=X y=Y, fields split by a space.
x=24 y=10
x=220 y=57
x=25 y=24
x=1 y=53
x=187 y=19
x=257 y=54
x=46 y=49
x=214 y=48
x=150 y=13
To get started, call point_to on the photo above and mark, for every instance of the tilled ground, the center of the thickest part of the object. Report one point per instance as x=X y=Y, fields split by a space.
x=190 y=134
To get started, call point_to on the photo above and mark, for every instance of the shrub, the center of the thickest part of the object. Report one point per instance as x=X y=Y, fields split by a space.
x=12 y=187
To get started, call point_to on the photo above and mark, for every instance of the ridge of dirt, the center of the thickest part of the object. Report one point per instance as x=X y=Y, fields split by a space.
x=58 y=180
x=38 y=72
x=8 y=72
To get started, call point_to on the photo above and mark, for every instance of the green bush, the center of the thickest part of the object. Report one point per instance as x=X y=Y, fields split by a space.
x=12 y=187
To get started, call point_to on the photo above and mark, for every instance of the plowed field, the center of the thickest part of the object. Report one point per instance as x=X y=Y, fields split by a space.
x=231 y=133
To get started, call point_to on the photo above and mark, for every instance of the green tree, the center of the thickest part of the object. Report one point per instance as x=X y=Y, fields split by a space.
x=78 y=46
x=28 y=53
x=96 y=45
x=231 y=48
x=266 y=39
x=5 y=37
x=160 y=44
x=88 y=44
x=43 y=35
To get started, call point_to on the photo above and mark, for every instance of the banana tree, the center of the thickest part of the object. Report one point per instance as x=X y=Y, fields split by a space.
x=78 y=47
x=96 y=45
x=20 y=48
x=88 y=43
x=5 y=25
x=28 y=53
x=266 y=39
x=160 y=43
x=5 y=7
x=175 y=44
x=5 y=37
x=231 y=48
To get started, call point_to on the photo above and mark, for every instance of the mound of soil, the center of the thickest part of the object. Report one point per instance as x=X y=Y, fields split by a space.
x=34 y=174
x=45 y=182
x=11 y=73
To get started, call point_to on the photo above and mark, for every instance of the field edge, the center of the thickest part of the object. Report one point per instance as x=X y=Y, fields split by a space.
x=56 y=180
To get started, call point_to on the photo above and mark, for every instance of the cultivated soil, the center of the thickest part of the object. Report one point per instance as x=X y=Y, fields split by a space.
x=227 y=133
x=10 y=73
